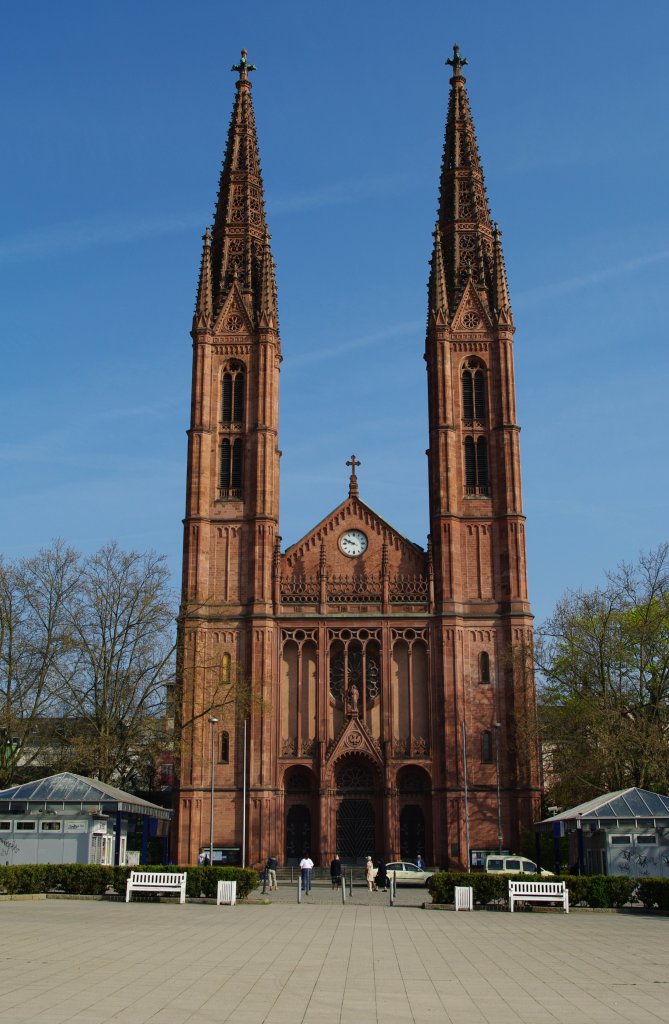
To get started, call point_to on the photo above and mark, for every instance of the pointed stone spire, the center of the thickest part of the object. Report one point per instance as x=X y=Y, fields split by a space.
x=501 y=303
x=437 y=285
x=464 y=217
x=239 y=243
x=204 y=305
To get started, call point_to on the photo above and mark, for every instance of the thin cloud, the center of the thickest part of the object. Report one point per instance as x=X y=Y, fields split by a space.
x=330 y=351
x=572 y=284
x=74 y=236
x=340 y=193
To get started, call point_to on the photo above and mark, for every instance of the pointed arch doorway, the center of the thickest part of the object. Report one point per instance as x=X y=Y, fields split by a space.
x=356 y=811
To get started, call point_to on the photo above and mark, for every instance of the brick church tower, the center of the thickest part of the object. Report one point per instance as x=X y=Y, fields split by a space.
x=353 y=677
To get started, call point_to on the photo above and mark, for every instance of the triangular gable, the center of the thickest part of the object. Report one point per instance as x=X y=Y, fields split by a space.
x=354 y=512
x=471 y=314
x=233 y=316
x=355 y=738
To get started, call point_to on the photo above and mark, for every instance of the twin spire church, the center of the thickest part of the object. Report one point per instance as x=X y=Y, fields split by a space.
x=393 y=696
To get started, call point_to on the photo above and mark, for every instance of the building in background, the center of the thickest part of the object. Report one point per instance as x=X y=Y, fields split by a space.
x=373 y=661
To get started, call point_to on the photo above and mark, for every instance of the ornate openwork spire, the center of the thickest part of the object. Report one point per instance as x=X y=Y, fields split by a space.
x=464 y=217
x=239 y=238
x=501 y=304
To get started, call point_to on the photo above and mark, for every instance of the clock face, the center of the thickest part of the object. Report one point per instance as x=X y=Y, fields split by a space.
x=353 y=543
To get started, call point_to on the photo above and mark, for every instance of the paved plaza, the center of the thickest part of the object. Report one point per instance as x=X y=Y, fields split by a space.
x=324 y=963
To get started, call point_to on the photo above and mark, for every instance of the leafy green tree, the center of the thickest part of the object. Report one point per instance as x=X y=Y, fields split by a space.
x=603 y=659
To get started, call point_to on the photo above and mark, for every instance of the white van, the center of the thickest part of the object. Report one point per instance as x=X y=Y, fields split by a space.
x=496 y=865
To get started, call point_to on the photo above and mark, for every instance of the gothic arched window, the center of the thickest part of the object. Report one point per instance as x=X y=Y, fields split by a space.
x=486 y=747
x=233 y=394
x=484 y=667
x=225 y=748
x=473 y=393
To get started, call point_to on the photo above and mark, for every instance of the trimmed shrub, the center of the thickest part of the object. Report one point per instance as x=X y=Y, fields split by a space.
x=95 y=879
x=653 y=892
x=589 y=891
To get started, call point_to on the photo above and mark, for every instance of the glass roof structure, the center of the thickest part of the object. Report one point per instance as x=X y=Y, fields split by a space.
x=628 y=804
x=69 y=791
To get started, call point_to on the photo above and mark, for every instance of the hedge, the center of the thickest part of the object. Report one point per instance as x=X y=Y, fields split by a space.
x=96 y=880
x=585 y=890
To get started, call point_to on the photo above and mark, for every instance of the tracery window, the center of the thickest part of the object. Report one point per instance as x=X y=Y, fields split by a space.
x=233 y=394
x=355 y=664
x=473 y=393
x=354 y=776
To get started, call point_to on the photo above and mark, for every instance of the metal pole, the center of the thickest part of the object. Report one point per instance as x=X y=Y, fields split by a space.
x=350 y=882
x=497 y=726
x=244 y=803
x=299 y=887
x=213 y=722
x=464 y=764
x=343 y=889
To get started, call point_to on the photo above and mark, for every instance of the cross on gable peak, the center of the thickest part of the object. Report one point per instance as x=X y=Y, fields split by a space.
x=353 y=481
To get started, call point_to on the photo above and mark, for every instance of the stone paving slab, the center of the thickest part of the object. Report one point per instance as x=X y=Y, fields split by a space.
x=321 y=963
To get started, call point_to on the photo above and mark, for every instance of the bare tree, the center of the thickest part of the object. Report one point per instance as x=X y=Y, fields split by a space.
x=34 y=640
x=121 y=660
x=604 y=659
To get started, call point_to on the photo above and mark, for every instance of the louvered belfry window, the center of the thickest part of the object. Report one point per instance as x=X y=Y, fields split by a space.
x=475 y=418
x=233 y=395
x=233 y=388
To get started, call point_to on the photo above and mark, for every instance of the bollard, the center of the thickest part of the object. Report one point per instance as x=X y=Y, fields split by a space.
x=299 y=889
x=393 y=887
x=350 y=882
x=343 y=889
x=292 y=876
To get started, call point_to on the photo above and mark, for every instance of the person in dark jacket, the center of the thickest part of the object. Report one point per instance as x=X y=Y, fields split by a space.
x=382 y=877
x=335 y=871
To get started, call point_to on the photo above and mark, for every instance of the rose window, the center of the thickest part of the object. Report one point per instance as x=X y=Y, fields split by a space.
x=233 y=323
x=354 y=777
x=471 y=320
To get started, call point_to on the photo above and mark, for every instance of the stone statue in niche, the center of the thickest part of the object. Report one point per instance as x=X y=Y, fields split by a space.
x=353 y=699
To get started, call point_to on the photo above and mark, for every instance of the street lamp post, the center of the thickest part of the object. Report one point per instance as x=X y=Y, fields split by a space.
x=497 y=726
x=214 y=723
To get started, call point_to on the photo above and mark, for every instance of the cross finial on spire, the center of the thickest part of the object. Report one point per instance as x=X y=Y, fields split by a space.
x=353 y=481
x=456 y=61
x=244 y=67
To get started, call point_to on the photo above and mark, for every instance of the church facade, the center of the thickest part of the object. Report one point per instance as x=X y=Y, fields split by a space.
x=355 y=693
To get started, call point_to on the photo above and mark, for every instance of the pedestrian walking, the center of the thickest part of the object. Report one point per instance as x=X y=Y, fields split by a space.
x=369 y=874
x=335 y=871
x=420 y=863
x=306 y=867
x=270 y=873
x=382 y=876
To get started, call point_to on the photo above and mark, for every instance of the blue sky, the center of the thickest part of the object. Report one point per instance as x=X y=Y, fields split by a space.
x=114 y=134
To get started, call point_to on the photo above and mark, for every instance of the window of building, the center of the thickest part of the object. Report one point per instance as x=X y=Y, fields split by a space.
x=621 y=840
x=225 y=748
x=5 y=826
x=476 y=466
x=233 y=394
x=231 y=467
x=473 y=393
x=226 y=662
x=25 y=826
x=484 y=667
x=51 y=826
x=486 y=747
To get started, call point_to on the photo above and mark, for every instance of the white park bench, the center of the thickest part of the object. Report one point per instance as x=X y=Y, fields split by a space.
x=226 y=892
x=538 y=892
x=464 y=897
x=156 y=881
